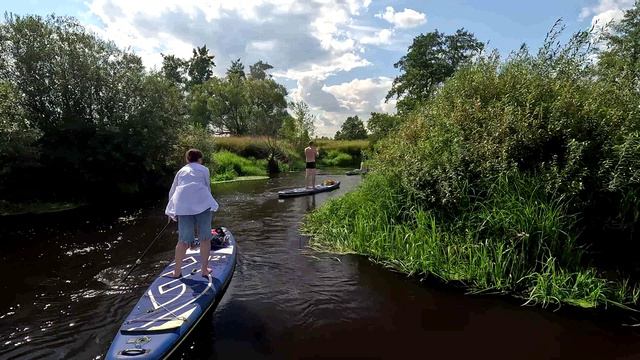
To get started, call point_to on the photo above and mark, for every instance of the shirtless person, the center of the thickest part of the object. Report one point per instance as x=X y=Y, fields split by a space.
x=310 y=154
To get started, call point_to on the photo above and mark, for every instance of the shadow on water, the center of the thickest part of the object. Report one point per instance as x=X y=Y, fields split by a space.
x=60 y=294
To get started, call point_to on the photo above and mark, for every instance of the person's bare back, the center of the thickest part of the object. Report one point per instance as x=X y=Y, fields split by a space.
x=310 y=153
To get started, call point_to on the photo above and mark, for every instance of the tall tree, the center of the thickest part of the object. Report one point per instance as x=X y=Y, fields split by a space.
x=352 y=129
x=621 y=56
x=259 y=70
x=174 y=68
x=298 y=128
x=381 y=124
x=200 y=66
x=236 y=70
x=430 y=60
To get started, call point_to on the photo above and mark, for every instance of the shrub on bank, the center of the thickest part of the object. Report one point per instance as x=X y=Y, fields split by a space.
x=228 y=166
x=503 y=179
x=336 y=158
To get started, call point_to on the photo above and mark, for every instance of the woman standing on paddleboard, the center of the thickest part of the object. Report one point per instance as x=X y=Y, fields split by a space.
x=191 y=202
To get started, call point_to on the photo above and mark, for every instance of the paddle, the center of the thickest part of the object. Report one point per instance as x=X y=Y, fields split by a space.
x=139 y=260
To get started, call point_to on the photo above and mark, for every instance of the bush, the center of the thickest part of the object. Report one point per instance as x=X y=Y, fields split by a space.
x=228 y=165
x=336 y=158
x=503 y=179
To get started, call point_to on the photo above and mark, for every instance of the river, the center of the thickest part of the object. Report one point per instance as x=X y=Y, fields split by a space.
x=60 y=296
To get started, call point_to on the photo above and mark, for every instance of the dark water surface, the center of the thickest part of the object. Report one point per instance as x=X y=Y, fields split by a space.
x=60 y=298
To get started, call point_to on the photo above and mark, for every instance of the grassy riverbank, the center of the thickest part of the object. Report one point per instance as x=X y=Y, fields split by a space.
x=517 y=176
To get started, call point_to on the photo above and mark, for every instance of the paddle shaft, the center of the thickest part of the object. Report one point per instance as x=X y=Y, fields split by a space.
x=139 y=260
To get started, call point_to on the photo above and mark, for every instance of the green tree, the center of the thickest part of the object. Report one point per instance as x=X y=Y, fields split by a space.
x=259 y=70
x=105 y=122
x=381 y=124
x=174 y=68
x=299 y=127
x=352 y=129
x=430 y=60
x=621 y=55
x=236 y=70
x=200 y=66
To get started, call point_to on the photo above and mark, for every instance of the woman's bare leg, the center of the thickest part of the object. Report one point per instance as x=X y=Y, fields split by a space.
x=181 y=250
x=205 y=247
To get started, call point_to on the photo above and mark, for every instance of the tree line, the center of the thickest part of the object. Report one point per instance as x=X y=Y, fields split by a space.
x=80 y=117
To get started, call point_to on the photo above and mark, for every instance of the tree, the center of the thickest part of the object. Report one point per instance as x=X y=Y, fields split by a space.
x=352 y=129
x=200 y=66
x=298 y=128
x=621 y=56
x=259 y=70
x=430 y=60
x=174 y=69
x=236 y=70
x=105 y=123
x=381 y=124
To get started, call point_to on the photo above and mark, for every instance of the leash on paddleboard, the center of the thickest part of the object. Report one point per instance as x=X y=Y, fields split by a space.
x=139 y=260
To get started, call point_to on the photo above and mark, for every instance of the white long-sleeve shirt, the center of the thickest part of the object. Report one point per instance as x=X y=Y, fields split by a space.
x=190 y=193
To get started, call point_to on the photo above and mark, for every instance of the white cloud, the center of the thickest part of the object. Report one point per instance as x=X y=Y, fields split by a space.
x=381 y=37
x=605 y=12
x=404 y=19
x=307 y=42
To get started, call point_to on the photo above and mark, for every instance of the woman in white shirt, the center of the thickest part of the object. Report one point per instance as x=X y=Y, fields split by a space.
x=191 y=202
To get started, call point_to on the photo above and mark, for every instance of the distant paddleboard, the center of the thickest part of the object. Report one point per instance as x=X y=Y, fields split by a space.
x=306 y=191
x=171 y=308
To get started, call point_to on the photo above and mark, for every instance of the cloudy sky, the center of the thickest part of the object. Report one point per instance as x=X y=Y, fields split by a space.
x=337 y=55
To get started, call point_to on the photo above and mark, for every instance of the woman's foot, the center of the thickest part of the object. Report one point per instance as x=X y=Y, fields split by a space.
x=206 y=272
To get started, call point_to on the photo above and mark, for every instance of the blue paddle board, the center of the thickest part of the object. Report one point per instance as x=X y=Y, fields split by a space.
x=170 y=308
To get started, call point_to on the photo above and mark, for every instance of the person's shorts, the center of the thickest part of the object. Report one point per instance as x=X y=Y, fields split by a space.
x=187 y=225
x=311 y=165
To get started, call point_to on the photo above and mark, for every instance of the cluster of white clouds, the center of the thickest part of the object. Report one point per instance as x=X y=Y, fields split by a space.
x=310 y=43
x=605 y=12
x=314 y=45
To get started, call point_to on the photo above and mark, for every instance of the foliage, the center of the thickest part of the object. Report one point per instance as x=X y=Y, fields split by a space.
x=516 y=176
x=431 y=59
x=227 y=166
x=351 y=147
x=258 y=71
x=298 y=128
x=337 y=158
x=18 y=138
x=352 y=129
x=380 y=125
x=104 y=122
x=201 y=66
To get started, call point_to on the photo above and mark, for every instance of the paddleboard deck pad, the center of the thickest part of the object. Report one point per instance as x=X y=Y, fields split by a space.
x=305 y=191
x=170 y=308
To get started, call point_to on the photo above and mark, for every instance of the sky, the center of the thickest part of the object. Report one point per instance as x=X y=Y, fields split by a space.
x=336 y=55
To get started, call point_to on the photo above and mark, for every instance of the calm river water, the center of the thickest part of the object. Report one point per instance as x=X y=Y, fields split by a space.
x=60 y=298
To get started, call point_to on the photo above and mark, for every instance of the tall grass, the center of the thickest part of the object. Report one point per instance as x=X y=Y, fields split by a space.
x=516 y=242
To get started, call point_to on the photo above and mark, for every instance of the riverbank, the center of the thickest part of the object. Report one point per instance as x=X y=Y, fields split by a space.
x=517 y=176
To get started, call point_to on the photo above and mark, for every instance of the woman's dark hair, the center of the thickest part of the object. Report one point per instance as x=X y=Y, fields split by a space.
x=193 y=155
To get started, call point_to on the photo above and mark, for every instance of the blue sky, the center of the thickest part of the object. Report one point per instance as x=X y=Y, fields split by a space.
x=337 y=55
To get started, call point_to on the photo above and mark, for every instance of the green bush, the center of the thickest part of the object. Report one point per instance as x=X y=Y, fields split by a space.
x=228 y=165
x=503 y=179
x=337 y=158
